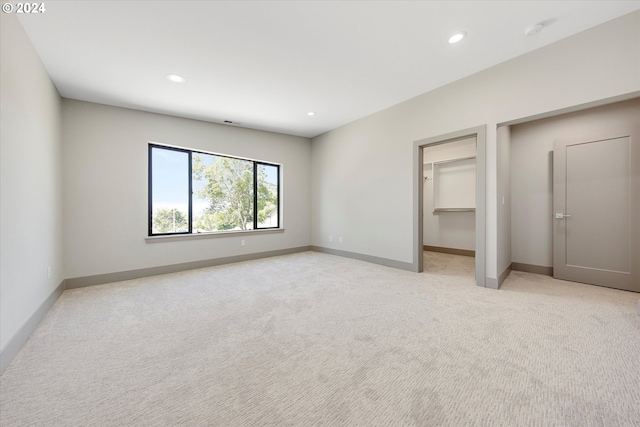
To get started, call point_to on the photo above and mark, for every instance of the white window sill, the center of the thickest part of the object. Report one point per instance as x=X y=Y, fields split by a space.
x=174 y=237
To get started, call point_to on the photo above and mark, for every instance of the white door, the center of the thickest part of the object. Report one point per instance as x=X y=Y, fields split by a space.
x=596 y=197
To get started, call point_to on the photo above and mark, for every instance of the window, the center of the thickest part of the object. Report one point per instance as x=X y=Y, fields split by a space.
x=197 y=192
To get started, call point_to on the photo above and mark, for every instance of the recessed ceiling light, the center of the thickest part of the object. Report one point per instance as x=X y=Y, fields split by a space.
x=533 y=29
x=175 y=78
x=311 y=113
x=457 y=37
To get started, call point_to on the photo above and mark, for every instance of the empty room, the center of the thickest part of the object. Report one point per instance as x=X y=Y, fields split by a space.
x=340 y=213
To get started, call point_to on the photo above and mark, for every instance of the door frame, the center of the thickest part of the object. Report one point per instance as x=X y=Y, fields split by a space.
x=480 y=133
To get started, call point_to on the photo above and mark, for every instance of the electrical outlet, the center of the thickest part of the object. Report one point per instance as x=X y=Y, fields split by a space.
x=242 y=242
x=331 y=238
x=48 y=272
x=340 y=239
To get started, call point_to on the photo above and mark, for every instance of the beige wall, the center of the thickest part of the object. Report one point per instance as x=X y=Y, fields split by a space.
x=532 y=173
x=31 y=178
x=362 y=179
x=106 y=186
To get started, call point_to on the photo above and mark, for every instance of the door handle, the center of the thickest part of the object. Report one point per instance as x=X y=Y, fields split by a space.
x=560 y=215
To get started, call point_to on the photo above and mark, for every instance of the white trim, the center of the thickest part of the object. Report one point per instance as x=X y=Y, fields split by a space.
x=208 y=235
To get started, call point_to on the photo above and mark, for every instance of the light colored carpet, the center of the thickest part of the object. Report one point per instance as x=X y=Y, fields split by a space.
x=312 y=339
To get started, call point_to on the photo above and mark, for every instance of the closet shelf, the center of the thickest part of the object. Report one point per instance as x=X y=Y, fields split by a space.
x=454 y=210
x=454 y=183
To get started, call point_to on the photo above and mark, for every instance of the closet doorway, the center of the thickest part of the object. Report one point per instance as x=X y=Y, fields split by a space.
x=450 y=199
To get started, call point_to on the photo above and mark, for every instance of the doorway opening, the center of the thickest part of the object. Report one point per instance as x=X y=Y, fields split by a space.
x=449 y=190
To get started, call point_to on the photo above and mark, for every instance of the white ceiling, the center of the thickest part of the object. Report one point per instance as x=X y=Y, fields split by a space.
x=265 y=64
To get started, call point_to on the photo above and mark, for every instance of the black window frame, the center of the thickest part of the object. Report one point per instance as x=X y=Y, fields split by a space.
x=189 y=153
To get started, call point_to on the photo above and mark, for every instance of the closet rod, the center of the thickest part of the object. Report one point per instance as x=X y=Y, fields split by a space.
x=453 y=160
